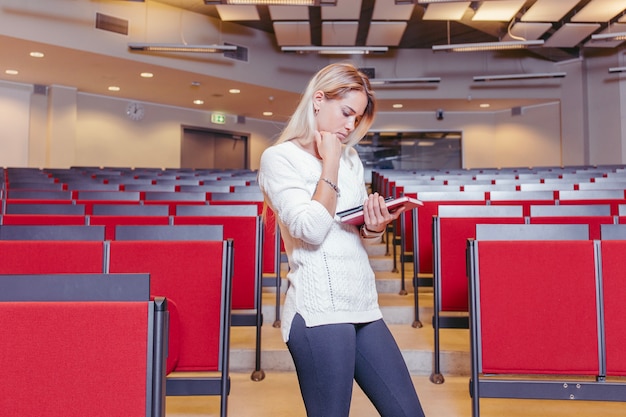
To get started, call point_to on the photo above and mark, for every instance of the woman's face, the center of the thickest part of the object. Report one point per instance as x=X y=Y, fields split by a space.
x=340 y=116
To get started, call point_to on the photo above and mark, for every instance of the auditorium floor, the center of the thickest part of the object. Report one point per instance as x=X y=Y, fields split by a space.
x=278 y=396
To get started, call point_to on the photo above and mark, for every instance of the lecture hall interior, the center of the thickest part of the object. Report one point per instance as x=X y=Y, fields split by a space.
x=131 y=133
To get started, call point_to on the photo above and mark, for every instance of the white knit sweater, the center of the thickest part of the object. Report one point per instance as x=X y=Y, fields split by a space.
x=331 y=280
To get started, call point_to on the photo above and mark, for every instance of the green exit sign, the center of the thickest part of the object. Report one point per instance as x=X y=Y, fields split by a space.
x=218 y=118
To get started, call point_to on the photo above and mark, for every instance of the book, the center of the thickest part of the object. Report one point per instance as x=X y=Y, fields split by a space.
x=355 y=214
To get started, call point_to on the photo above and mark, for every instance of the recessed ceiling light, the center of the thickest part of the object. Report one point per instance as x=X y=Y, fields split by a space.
x=198 y=102
x=37 y=54
x=485 y=105
x=11 y=72
x=114 y=88
x=397 y=106
x=147 y=74
x=268 y=113
x=234 y=91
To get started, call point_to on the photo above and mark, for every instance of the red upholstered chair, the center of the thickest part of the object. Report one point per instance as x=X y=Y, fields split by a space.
x=51 y=219
x=243 y=224
x=452 y=226
x=51 y=257
x=81 y=345
x=197 y=275
x=614 y=294
x=535 y=312
x=111 y=222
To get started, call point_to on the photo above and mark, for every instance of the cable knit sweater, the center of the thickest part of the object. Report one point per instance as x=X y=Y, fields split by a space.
x=331 y=280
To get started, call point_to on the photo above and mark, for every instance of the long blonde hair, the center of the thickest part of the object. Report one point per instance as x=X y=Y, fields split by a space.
x=335 y=80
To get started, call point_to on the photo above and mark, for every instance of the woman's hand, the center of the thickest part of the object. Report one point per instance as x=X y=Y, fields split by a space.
x=376 y=215
x=328 y=146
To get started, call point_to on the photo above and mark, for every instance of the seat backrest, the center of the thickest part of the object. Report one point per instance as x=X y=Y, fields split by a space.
x=247 y=233
x=532 y=232
x=51 y=232
x=517 y=284
x=51 y=257
x=195 y=275
x=43 y=219
x=84 y=350
x=129 y=210
x=613 y=231
x=217 y=210
x=44 y=208
x=614 y=308
x=593 y=215
x=451 y=228
x=110 y=223
x=423 y=228
x=72 y=287
x=170 y=232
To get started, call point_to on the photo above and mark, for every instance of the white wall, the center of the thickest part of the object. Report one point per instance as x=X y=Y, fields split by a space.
x=66 y=127
x=14 y=124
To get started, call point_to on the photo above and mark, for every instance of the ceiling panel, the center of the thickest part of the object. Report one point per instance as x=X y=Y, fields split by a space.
x=548 y=10
x=292 y=33
x=235 y=13
x=385 y=33
x=344 y=10
x=388 y=10
x=289 y=12
x=614 y=28
x=339 y=33
x=446 y=11
x=570 y=34
x=600 y=11
x=498 y=11
x=527 y=31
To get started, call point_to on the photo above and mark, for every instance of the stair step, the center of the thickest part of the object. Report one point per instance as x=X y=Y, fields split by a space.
x=416 y=346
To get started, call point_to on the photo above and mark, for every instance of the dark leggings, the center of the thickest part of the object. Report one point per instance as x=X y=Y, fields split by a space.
x=328 y=358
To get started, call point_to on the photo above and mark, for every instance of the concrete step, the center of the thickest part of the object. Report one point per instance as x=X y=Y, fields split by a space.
x=416 y=346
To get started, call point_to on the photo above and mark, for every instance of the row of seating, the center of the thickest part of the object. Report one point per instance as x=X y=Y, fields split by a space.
x=82 y=344
x=547 y=318
x=195 y=276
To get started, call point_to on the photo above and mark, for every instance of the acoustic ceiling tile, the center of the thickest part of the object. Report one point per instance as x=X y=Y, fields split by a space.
x=292 y=33
x=385 y=33
x=389 y=10
x=571 y=34
x=344 y=10
x=548 y=10
x=498 y=11
x=339 y=33
x=446 y=11
x=289 y=12
x=235 y=13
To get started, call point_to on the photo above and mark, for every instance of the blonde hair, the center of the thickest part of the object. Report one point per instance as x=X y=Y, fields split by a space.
x=335 y=81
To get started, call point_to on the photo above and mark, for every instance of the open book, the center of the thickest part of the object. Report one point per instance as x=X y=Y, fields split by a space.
x=355 y=215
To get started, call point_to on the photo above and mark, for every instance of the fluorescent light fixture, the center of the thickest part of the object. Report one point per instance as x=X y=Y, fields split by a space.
x=336 y=50
x=487 y=46
x=392 y=81
x=275 y=2
x=616 y=36
x=173 y=47
x=617 y=69
x=424 y=1
x=481 y=78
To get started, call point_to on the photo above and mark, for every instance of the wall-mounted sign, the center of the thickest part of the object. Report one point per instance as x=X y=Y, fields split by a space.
x=218 y=118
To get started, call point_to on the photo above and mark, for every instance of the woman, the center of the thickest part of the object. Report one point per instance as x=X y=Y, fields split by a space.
x=331 y=321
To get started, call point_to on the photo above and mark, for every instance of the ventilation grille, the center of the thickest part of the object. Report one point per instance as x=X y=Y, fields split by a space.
x=40 y=89
x=370 y=72
x=240 y=54
x=516 y=111
x=111 y=24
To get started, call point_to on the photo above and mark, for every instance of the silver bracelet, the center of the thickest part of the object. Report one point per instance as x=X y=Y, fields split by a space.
x=332 y=185
x=370 y=234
